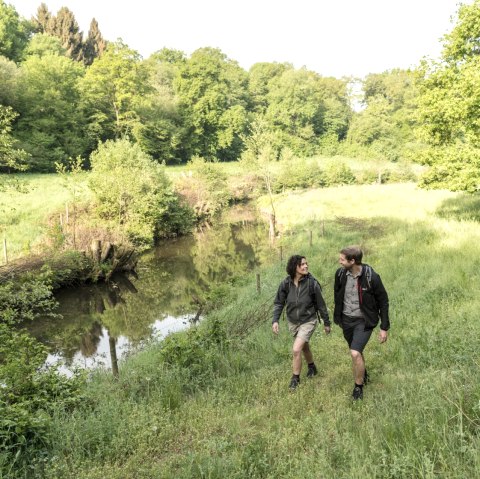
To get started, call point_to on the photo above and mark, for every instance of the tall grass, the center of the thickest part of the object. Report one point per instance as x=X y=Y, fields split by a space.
x=222 y=409
x=25 y=211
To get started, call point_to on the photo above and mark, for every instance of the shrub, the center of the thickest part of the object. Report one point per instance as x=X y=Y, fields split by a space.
x=299 y=173
x=204 y=188
x=134 y=192
x=338 y=173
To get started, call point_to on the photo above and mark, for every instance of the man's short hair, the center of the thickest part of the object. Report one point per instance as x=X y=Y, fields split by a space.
x=353 y=252
x=292 y=263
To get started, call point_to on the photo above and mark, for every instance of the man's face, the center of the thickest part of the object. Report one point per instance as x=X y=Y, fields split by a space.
x=302 y=268
x=346 y=263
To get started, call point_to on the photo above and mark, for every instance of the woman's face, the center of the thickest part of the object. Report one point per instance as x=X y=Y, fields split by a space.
x=302 y=268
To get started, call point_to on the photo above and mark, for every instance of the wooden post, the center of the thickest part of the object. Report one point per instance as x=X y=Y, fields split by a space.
x=311 y=237
x=5 y=253
x=96 y=250
x=271 y=232
x=113 y=355
x=258 y=282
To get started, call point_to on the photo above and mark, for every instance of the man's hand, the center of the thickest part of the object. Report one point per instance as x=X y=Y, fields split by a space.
x=275 y=328
x=327 y=329
x=382 y=336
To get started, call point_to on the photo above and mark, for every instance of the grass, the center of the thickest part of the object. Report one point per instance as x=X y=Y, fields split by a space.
x=26 y=210
x=222 y=409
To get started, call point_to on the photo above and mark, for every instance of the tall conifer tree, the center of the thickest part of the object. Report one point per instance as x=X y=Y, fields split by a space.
x=67 y=29
x=94 y=45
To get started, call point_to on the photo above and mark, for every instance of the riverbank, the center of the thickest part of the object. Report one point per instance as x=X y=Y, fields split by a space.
x=214 y=401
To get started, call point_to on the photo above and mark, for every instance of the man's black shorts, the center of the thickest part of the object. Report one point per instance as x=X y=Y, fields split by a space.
x=354 y=333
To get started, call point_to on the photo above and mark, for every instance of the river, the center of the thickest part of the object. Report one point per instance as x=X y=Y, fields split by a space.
x=101 y=323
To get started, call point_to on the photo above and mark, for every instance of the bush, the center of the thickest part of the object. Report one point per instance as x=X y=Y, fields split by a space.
x=299 y=173
x=28 y=393
x=338 y=173
x=204 y=188
x=133 y=192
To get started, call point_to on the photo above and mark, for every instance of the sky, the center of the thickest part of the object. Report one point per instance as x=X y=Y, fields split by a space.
x=332 y=37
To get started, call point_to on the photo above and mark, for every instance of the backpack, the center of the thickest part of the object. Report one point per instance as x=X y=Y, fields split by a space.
x=368 y=274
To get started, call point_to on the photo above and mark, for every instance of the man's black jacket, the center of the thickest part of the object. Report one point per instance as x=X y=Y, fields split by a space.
x=372 y=296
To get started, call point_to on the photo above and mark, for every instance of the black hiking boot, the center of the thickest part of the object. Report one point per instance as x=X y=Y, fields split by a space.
x=312 y=371
x=357 y=393
x=295 y=381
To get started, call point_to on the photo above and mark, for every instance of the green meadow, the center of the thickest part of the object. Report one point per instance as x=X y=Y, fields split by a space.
x=30 y=205
x=213 y=401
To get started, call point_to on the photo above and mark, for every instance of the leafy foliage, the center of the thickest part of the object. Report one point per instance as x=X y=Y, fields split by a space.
x=133 y=192
x=14 y=32
x=11 y=158
x=50 y=126
x=28 y=394
x=448 y=107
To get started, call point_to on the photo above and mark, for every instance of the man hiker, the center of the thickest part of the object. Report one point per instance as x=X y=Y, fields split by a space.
x=361 y=301
x=300 y=292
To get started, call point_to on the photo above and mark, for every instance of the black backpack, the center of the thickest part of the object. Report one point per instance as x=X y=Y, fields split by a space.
x=368 y=274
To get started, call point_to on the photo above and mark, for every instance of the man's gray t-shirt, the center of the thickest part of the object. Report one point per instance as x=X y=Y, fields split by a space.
x=351 y=303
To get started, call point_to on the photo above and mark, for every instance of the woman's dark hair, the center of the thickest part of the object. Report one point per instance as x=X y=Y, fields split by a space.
x=292 y=264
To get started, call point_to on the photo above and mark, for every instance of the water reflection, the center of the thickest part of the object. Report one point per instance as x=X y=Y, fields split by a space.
x=101 y=323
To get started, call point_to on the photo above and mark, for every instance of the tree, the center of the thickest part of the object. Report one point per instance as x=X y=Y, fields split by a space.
x=385 y=128
x=212 y=90
x=14 y=33
x=132 y=191
x=160 y=131
x=298 y=107
x=111 y=88
x=259 y=78
x=8 y=80
x=51 y=124
x=449 y=102
x=64 y=26
x=11 y=158
x=43 y=44
x=42 y=21
x=94 y=45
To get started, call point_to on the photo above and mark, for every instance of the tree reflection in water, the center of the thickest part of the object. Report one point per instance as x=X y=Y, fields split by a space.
x=102 y=322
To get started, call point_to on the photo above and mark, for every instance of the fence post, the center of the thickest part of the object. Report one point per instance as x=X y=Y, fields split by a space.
x=96 y=250
x=311 y=237
x=258 y=282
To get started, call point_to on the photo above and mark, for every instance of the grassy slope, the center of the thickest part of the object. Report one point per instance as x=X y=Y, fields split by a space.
x=25 y=213
x=234 y=417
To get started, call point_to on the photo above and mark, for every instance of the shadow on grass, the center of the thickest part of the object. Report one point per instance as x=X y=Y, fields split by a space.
x=463 y=207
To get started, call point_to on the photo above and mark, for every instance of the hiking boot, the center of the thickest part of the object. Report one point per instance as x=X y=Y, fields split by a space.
x=312 y=371
x=366 y=378
x=294 y=383
x=357 y=393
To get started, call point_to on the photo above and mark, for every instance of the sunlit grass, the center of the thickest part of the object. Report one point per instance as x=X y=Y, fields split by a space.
x=25 y=211
x=401 y=200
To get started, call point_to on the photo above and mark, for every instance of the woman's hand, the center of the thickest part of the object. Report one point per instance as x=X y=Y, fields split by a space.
x=275 y=328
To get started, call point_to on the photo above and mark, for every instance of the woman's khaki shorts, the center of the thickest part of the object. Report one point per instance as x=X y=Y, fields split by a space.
x=303 y=330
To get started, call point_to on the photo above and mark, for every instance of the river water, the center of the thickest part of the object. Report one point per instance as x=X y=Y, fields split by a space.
x=101 y=323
